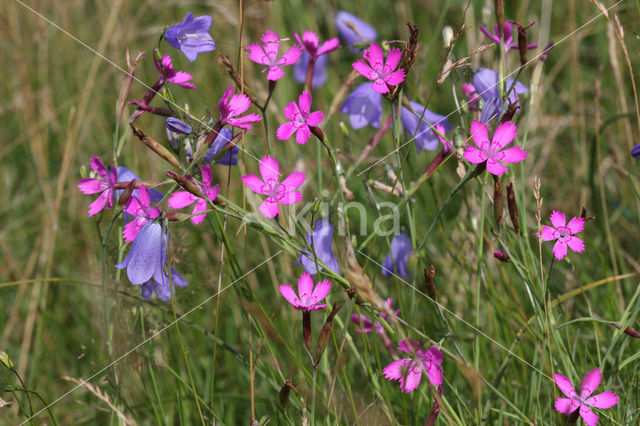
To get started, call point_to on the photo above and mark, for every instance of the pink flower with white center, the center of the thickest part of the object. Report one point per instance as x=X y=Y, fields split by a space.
x=308 y=297
x=104 y=184
x=267 y=54
x=139 y=207
x=409 y=370
x=180 y=78
x=383 y=74
x=563 y=232
x=310 y=42
x=182 y=199
x=573 y=402
x=231 y=106
x=270 y=185
x=301 y=119
x=493 y=152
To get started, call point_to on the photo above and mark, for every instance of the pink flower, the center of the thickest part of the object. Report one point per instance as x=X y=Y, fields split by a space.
x=382 y=73
x=493 y=152
x=139 y=207
x=182 y=199
x=308 y=297
x=231 y=106
x=103 y=184
x=180 y=78
x=310 y=44
x=574 y=402
x=366 y=324
x=409 y=370
x=267 y=54
x=447 y=146
x=277 y=192
x=563 y=232
x=301 y=119
x=507 y=36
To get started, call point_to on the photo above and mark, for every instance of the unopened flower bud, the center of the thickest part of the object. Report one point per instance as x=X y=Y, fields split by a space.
x=323 y=338
x=176 y=131
x=429 y=283
x=502 y=257
x=447 y=36
x=497 y=200
x=470 y=94
x=513 y=208
x=4 y=358
x=343 y=128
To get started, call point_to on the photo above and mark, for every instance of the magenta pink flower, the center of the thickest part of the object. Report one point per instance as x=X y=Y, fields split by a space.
x=301 y=119
x=367 y=325
x=493 y=152
x=104 y=184
x=563 y=232
x=270 y=185
x=447 y=145
x=180 y=78
x=573 y=402
x=267 y=54
x=231 y=106
x=308 y=297
x=140 y=208
x=310 y=42
x=507 y=36
x=182 y=199
x=409 y=370
x=383 y=74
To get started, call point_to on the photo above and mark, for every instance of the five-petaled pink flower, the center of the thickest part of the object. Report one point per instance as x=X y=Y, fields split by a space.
x=103 y=184
x=180 y=78
x=140 y=208
x=310 y=42
x=563 y=232
x=231 y=106
x=493 y=152
x=383 y=74
x=409 y=370
x=507 y=36
x=182 y=199
x=573 y=402
x=308 y=297
x=300 y=119
x=267 y=54
x=270 y=185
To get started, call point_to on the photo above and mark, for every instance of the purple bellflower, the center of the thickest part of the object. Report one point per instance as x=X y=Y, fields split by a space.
x=425 y=138
x=140 y=211
x=228 y=159
x=320 y=240
x=363 y=106
x=319 y=73
x=409 y=370
x=635 y=152
x=345 y=25
x=191 y=36
x=486 y=83
x=398 y=257
x=146 y=261
x=103 y=184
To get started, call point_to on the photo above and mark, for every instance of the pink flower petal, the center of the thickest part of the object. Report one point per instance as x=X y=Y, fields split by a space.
x=254 y=183
x=269 y=169
x=433 y=355
x=243 y=122
x=557 y=219
x=328 y=46
x=304 y=102
x=293 y=181
x=144 y=198
x=181 y=199
x=291 y=110
x=134 y=206
x=130 y=230
x=269 y=207
x=182 y=79
x=480 y=134
x=291 y=297
x=315 y=118
x=256 y=54
x=98 y=166
x=379 y=86
x=320 y=291
x=514 y=154
x=496 y=168
x=565 y=385
x=559 y=250
x=155 y=212
x=411 y=381
x=375 y=56
x=291 y=56
x=239 y=103
x=91 y=185
x=566 y=405
x=207 y=176
x=212 y=193
x=305 y=286
x=395 y=77
x=303 y=134
x=316 y=307
x=364 y=69
x=504 y=134
x=310 y=41
x=603 y=400
x=222 y=103
x=198 y=216
x=100 y=202
x=576 y=244
x=589 y=417
x=590 y=383
x=291 y=198
x=576 y=225
x=393 y=59
x=474 y=155
x=270 y=36
x=397 y=369
x=434 y=373
x=549 y=233
x=362 y=322
x=409 y=345
x=285 y=131
x=275 y=73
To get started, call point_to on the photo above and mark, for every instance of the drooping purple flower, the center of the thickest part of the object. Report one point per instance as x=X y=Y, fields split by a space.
x=425 y=137
x=398 y=257
x=366 y=324
x=486 y=83
x=409 y=370
x=319 y=73
x=363 y=106
x=320 y=240
x=507 y=36
x=635 y=152
x=231 y=106
x=140 y=211
x=310 y=43
x=267 y=54
x=103 y=184
x=228 y=159
x=584 y=401
x=146 y=261
x=345 y=24
x=191 y=36
x=182 y=199
x=308 y=297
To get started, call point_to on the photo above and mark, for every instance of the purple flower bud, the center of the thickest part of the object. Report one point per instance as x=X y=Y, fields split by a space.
x=176 y=129
x=319 y=72
x=363 y=106
x=228 y=159
x=322 y=235
x=635 y=152
x=398 y=257
x=425 y=138
x=470 y=95
x=191 y=36
x=345 y=22
x=486 y=83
